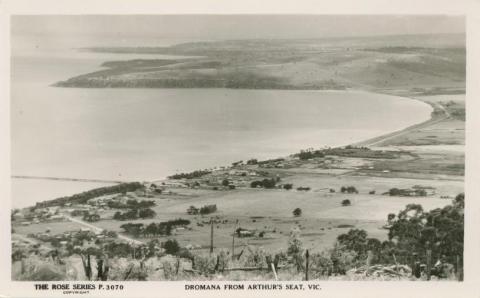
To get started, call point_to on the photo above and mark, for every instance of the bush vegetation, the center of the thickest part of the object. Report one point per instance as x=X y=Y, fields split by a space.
x=303 y=188
x=171 y=247
x=265 y=183
x=207 y=209
x=130 y=204
x=349 y=189
x=134 y=214
x=153 y=229
x=412 y=232
x=297 y=212
x=191 y=175
x=83 y=197
x=404 y=192
x=348 y=151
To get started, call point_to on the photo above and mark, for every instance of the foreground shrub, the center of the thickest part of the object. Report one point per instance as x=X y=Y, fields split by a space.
x=205 y=264
x=171 y=247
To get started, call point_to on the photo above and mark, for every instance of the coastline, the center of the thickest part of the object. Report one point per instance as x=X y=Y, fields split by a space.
x=367 y=142
x=364 y=143
x=381 y=138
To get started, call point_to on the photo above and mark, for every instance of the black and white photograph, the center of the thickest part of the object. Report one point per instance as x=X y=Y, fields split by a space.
x=205 y=148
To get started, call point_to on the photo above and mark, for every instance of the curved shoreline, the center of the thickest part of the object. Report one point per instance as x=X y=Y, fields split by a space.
x=367 y=142
x=370 y=141
x=379 y=139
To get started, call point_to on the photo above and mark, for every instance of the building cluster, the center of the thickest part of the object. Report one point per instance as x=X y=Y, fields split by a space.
x=27 y=216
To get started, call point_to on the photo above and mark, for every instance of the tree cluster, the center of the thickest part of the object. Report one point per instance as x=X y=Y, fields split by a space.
x=303 y=188
x=82 y=198
x=402 y=192
x=91 y=217
x=309 y=154
x=207 y=209
x=411 y=233
x=134 y=214
x=153 y=229
x=265 y=183
x=348 y=189
x=130 y=204
x=194 y=174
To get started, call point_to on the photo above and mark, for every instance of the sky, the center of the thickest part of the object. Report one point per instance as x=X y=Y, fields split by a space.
x=150 y=29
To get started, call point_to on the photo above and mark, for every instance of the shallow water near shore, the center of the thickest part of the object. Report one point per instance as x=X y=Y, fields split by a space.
x=147 y=134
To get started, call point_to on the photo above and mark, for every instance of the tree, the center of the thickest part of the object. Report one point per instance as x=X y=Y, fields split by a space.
x=459 y=201
x=355 y=240
x=287 y=186
x=171 y=246
x=225 y=182
x=269 y=183
x=295 y=248
x=118 y=249
x=303 y=188
x=255 y=184
x=207 y=209
x=192 y=210
x=441 y=230
x=297 y=212
x=342 y=259
x=349 y=189
x=391 y=217
x=86 y=255
x=133 y=229
x=18 y=254
x=117 y=215
x=146 y=213
x=111 y=234
x=346 y=202
x=151 y=229
x=152 y=246
x=352 y=189
x=91 y=217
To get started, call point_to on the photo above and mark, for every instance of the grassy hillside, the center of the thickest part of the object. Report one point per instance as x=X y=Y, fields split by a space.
x=427 y=64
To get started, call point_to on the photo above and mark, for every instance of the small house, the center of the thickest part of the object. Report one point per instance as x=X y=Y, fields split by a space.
x=245 y=233
x=56 y=217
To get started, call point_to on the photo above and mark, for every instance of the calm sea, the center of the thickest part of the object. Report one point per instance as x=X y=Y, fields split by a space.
x=146 y=134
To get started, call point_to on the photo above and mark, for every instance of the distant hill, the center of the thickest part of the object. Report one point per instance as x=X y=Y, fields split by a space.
x=407 y=62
